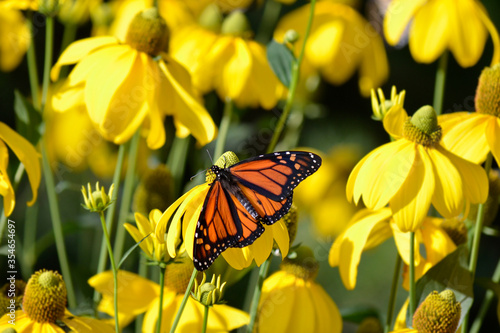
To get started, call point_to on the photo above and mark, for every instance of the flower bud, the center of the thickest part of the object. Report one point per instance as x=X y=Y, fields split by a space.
x=98 y=200
x=209 y=293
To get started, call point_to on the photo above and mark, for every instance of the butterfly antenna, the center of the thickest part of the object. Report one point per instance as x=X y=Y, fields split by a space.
x=210 y=156
x=202 y=171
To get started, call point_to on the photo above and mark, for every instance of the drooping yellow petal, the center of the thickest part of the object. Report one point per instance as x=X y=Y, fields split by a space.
x=495 y=38
x=474 y=178
x=303 y=310
x=493 y=137
x=86 y=324
x=448 y=197
x=281 y=236
x=269 y=311
x=78 y=50
x=398 y=16
x=238 y=258
x=228 y=318
x=324 y=43
x=168 y=312
x=411 y=204
x=467 y=32
x=383 y=173
x=186 y=108
x=430 y=31
x=402 y=240
x=6 y=189
x=464 y=135
x=146 y=245
x=135 y=293
x=26 y=154
x=394 y=121
x=14 y=39
x=347 y=248
x=328 y=318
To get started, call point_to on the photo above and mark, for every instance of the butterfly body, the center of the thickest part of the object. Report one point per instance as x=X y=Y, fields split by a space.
x=243 y=196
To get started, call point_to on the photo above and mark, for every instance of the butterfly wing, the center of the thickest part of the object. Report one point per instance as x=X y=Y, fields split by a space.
x=223 y=223
x=267 y=181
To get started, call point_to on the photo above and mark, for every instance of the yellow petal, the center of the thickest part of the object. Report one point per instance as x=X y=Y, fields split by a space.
x=402 y=240
x=324 y=43
x=464 y=135
x=430 y=31
x=274 y=318
x=78 y=50
x=467 y=32
x=351 y=245
x=238 y=258
x=493 y=137
x=169 y=310
x=474 y=179
x=26 y=154
x=329 y=319
x=394 y=121
x=495 y=38
x=6 y=189
x=281 y=236
x=87 y=324
x=146 y=245
x=135 y=293
x=383 y=173
x=187 y=109
x=15 y=38
x=397 y=18
x=68 y=97
x=231 y=318
x=411 y=204
x=302 y=312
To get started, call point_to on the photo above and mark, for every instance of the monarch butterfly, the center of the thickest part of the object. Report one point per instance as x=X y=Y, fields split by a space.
x=244 y=195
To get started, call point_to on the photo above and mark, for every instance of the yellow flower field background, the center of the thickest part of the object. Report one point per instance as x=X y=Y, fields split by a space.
x=113 y=112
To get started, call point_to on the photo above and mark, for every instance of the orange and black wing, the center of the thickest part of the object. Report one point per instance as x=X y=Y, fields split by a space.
x=223 y=223
x=267 y=181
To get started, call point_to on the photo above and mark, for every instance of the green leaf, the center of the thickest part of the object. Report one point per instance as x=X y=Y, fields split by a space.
x=29 y=120
x=450 y=273
x=130 y=251
x=280 y=59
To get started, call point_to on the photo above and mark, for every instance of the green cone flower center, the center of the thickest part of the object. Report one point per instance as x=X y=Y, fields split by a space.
x=178 y=274
x=439 y=312
x=211 y=18
x=148 y=32
x=423 y=127
x=45 y=297
x=155 y=190
x=488 y=91
x=236 y=24
x=226 y=160
x=302 y=264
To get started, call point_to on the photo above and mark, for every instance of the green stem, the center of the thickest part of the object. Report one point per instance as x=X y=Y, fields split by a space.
x=32 y=68
x=440 y=83
x=184 y=300
x=15 y=184
x=264 y=269
x=29 y=240
x=267 y=24
x=176 y=160
x=293 y=84
x=49 y=45
x=205 y=319
x=110 y=217
x=223 y=129
x=392 y=297
x=476 y=240
x=413 y=296
x=160 y=308
x=128 y=189
x=113 y=266
x=57 y=225
x=479 y=225
x=488 y=298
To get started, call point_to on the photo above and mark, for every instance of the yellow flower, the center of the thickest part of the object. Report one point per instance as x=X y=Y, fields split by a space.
x=15 y=38
x=124 y=86
x=436 y=25
x=137 y=295
x=77 y=12
x=154 y=248
x=368 y=229
x=27 y=155
x=473 y=135
x=185 y=213
x=325 y=192
x=229 y=62
x=340 y=42
x=292 y=301
x=414 y=171
x=48 y=288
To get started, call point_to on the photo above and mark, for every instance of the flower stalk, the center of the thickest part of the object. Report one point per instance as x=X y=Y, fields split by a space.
x=205 y=319
x=439 y=85
x=293 y=85
x=162 y=287
x=263 y=271
x=394 y=292
x=184 y=301
x=413 y=297
x=224 y=128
